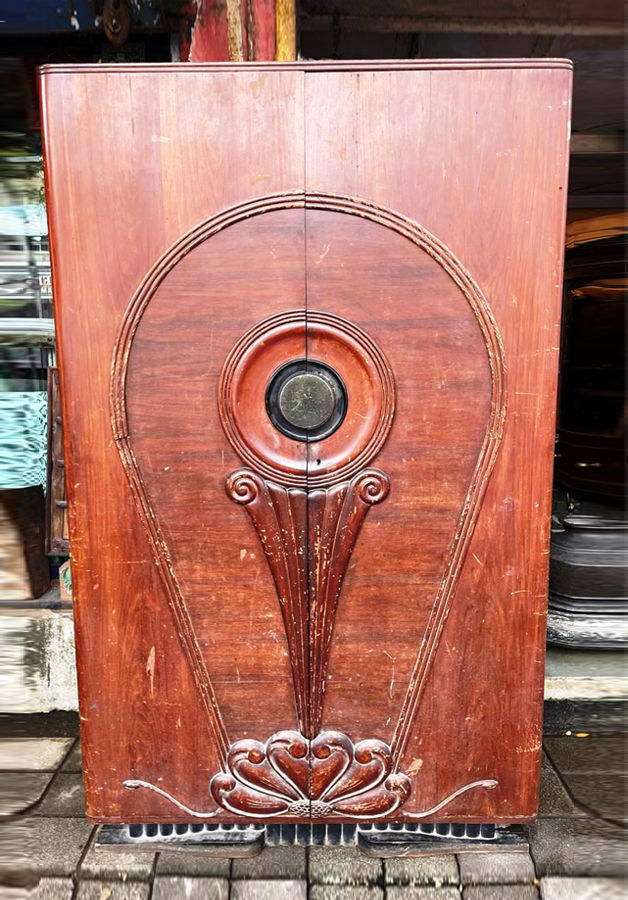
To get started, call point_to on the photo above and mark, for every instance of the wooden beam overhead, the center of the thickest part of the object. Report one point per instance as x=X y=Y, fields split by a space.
x=590 y=144
x=577 y=17
x=418 y=24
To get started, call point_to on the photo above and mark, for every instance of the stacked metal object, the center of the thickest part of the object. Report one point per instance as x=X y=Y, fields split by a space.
x=588 y=601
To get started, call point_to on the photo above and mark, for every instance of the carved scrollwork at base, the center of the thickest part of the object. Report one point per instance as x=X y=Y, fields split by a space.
x=293 y=776
x=328 y=777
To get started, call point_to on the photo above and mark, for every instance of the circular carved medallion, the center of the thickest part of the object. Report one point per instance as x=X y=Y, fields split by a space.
x=309 y=422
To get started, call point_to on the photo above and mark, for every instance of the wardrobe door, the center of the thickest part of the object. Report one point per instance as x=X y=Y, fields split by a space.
x=167 y=248
x=435 y=210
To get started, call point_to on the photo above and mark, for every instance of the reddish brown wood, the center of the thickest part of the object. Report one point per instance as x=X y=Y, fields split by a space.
x=418 y=256
x=308 y=538
x=327 y=777
x=131 y=666
x=279 y=516
x=335 y=517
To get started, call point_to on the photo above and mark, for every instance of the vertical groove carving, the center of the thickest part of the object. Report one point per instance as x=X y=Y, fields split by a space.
x=185 y=627
x=336 y=515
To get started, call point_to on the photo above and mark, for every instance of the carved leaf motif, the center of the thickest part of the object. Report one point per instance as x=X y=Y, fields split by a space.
x=354 y=782
x=290 y=505
x=340 y=778
x=248 y=761
x=330 y=755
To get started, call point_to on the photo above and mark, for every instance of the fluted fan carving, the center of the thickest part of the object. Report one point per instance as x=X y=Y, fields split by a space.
x=308 y=599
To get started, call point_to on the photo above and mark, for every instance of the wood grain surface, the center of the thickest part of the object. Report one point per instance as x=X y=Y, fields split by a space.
x=404 y=225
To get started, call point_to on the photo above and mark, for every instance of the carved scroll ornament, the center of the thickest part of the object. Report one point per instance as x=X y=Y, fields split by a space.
x=326 y=778
x=291 y=775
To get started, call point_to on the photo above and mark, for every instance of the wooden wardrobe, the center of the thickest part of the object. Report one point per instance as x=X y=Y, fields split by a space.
x=308 y=327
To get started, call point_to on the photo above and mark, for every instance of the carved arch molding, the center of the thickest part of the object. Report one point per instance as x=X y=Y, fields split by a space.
x=309 y=772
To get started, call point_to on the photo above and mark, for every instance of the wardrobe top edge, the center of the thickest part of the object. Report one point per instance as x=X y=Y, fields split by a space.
x=305 y=66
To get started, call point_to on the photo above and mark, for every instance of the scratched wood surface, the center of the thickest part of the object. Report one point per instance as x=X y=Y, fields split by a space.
x=427 y=245
x=171 y=390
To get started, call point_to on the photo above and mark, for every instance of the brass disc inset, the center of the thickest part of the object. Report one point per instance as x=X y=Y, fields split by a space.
x=306 y=400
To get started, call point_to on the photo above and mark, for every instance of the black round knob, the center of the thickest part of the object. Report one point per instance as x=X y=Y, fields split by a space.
x=306 y=400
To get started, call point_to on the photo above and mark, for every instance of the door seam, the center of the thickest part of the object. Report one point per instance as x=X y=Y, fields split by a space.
x=308 y=573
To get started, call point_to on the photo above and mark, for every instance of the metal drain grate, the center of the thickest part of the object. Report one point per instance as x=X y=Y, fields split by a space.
x=375 y=839
x=441 y=829
x=140 y=833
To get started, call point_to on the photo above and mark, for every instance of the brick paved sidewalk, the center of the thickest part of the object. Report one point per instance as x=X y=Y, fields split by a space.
x=47 y=851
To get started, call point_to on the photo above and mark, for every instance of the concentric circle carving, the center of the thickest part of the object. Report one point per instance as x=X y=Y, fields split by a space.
x=346 y=349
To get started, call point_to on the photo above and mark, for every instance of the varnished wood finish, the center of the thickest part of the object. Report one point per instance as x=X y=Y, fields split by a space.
x=479 y=183
x=307 y=660
x=325 y=777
